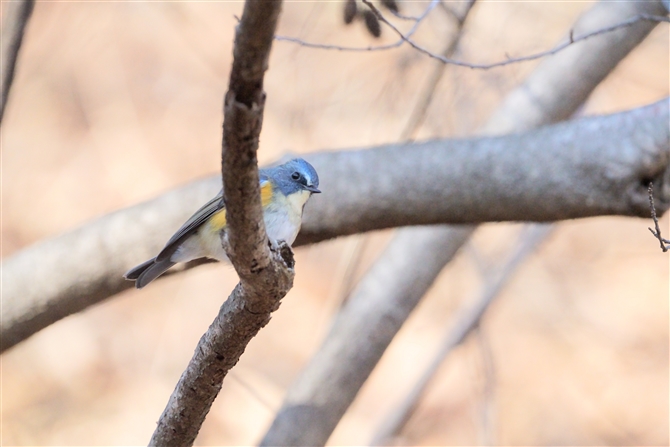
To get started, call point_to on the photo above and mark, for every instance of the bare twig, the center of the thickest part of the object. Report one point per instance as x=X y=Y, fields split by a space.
x=266 y=274
x=416 y=118
x=402 y=16
x=15 y=18
x=253 y=392
x=317 y=400
x=465 y=322
x=406 y=38
x=417 y=21
x=657 y=233
x=580 y=66
x=448 y=9
x=419 y=112
x=571 y=40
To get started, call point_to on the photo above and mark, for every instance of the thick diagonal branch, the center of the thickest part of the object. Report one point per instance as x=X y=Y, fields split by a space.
x=466 y=320
x=265 y=276
x=589 y=167
x=552 y=92
x=361 y=333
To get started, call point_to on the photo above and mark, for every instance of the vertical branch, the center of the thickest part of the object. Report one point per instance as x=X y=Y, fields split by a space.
x=14 y=21
x=266 y=274
x=243 y=119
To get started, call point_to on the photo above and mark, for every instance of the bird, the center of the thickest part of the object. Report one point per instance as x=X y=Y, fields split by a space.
x=285 y=190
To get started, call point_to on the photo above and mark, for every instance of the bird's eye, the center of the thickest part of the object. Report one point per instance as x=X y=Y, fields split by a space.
x=295 y=176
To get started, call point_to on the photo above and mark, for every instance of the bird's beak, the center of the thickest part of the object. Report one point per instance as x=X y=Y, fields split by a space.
x=313 y=189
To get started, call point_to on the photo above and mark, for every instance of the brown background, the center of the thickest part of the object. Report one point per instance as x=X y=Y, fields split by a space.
x=114 y=103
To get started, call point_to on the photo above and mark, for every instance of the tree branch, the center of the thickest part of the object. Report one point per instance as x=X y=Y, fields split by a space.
x=562 y=82
x=588 y=167
x=564 y=171
x=568 y=92
x=571 y=39
x=665 y=243
x=515 y=60
x=364 y=327
x=14 y=21
x=427 y=94
x=417 y=21
x=265 y=275
x=466 y=320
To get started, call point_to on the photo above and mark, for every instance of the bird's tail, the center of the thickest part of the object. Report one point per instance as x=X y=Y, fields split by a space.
x=147 y=271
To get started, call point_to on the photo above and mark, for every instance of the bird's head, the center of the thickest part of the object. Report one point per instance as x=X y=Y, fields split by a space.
x=294 y=176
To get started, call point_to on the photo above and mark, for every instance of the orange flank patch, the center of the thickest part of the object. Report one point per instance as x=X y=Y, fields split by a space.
x=218 y=220
x=266 y=193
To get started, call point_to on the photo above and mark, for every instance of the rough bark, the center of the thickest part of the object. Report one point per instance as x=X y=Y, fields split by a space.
x=266 y=273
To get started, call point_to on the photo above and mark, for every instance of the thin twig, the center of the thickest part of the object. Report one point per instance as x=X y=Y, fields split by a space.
x=427 y=96
x=253 y=392
x=318 y=398
x=417 y=21
x=467 y=320
x=657 y=233
x=407 y=38
x=449 y=10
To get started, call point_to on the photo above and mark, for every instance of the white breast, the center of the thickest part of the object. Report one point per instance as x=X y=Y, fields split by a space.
x=283 y=217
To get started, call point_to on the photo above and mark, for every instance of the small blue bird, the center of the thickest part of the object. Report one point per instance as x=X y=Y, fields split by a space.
x=284 y=192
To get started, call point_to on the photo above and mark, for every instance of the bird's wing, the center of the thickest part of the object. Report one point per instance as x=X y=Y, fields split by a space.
x=202 y=215
x=191 y=226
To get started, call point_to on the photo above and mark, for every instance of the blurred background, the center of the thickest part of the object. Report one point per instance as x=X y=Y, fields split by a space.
x=116 y=102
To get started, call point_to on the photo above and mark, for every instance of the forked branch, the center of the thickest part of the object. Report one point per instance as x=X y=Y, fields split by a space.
x=407 y=38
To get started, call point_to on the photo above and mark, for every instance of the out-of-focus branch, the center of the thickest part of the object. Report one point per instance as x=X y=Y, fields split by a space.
x=15 y=17
x=561 y=83
x=570 y=76
x=589 y=167
x=427 y=94
x=571 y=39
x=464 y=323
x=266 y=275
x=515 y=60
x=383 y=300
